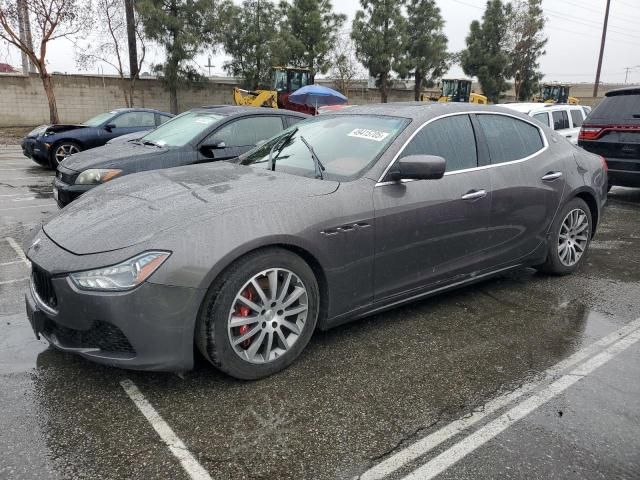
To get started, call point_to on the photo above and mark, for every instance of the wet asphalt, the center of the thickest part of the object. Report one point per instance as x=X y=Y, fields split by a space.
x=358 y=395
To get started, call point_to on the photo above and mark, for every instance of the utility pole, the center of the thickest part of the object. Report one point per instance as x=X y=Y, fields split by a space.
x=602 y=43
x=131 y=38
x=24 y=29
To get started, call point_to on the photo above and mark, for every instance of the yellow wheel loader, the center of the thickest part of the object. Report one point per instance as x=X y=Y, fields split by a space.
x=284 y=81
x=456 y=90
x=555 y=93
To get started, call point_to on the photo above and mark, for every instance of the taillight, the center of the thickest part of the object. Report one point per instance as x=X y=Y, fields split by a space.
x=590 y=133
x=604 y=163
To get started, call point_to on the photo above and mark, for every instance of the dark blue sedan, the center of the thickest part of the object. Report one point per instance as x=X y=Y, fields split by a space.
x=50 y=144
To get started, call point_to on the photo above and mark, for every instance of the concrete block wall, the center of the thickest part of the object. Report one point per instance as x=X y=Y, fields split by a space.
x=80 y=97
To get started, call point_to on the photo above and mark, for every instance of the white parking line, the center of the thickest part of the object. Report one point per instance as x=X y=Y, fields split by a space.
x=17 y=280
x=28 y=206
x=46 y=177
x=428 y=443
x=463 y=448
x=177 y=446
x=18 y=250
x=10 y=263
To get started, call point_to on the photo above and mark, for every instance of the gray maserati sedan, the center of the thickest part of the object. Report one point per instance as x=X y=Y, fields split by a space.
x=335 y=218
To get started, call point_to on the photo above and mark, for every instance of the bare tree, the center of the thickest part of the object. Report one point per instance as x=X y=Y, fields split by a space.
x=345 y=68
x=108 y=44
x=51 y=19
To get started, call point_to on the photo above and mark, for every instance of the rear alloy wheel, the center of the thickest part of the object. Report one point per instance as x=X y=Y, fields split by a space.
x=62 y=151
x=570 y=238
x=259 y=315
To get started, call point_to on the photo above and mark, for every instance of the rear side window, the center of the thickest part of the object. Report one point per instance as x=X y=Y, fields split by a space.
x=576 y=116
x=509 y=138
x=560 y=120
x=542 y=118
x=616 y=109
x=451 y=138
x=248 y=131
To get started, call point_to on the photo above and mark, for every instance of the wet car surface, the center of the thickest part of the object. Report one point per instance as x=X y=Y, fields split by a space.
x=357 y=395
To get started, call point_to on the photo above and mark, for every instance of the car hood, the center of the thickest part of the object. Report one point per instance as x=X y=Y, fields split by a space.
x=139 y=207
x=119 y=155
x=54 y=128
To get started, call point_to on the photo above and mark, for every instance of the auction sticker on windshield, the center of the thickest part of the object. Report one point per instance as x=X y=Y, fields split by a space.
x=375 y=135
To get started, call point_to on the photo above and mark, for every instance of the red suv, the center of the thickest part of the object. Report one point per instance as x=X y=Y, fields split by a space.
x=612 y=130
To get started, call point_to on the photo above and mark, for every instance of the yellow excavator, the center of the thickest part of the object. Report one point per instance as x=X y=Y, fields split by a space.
x=456 y=90
x=555 y=93
x=284 y=81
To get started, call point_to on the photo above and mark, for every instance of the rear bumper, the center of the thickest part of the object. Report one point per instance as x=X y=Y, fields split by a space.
x=624 y=172
x=148 y=328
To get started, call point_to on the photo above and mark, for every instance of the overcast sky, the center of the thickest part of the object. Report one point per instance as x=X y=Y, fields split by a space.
x=574 y=28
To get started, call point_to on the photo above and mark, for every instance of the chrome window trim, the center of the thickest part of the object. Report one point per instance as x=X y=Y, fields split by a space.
x=545 y=143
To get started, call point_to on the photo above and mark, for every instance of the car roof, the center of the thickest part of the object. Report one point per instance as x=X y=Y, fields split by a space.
x=236 y=110
x=135 y=109
x=417 y=110
x=623 y=91
x=539 y=107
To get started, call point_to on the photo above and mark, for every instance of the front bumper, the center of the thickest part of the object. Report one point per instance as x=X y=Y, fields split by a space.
x=35 y=150
x=64 y=193
x=148 y=328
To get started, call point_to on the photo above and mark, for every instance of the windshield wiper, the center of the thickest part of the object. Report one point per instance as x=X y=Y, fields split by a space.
x=319 y=167
x=281 y=144
x=153 y=144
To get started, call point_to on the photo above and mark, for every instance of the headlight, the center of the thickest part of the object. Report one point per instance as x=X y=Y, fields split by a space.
x=124 y=276
x=95 y=176
x=37 y=131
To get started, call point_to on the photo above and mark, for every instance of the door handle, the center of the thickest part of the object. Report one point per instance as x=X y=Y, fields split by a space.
x=551 y=176
x=474 y=195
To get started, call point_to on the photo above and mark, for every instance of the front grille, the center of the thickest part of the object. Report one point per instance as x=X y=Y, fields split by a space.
x=43 y=286
x=102 y=335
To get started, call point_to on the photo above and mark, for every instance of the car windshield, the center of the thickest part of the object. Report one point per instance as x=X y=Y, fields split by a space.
x=99 y=119
x=182 y=129
x=344 y=144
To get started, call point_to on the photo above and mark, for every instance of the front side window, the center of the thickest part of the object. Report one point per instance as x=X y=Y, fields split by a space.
x=248 y=131
x=451 y=138
x=346 y=145
x=100 y=119
x=182 y=129
x=576 y=116
x=542 y=118
x=135 y=120
x=509 y=138
x=560 y=120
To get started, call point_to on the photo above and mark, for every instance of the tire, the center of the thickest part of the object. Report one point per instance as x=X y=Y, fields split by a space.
x=559 y=260
x=65 y=148
x=214 y=332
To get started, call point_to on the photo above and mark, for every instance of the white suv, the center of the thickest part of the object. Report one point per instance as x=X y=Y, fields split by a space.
x=565 y=119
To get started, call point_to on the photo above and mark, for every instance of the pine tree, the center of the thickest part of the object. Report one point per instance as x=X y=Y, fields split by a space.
x=379 y=33
x=486 y=56
x=308 y=32
x=526 y=43
x=250 y=38
x=184 y=28
x=427 y=45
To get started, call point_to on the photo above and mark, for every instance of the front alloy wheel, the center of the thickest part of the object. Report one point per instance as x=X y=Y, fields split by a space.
x=268 y=315
x=259 y=314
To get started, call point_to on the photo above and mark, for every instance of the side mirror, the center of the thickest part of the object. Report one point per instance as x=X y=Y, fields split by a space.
x=418 y=167
x=109 y=126
x=207 y=148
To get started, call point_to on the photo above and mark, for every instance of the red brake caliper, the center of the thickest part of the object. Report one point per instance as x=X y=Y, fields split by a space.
x=244 y=311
